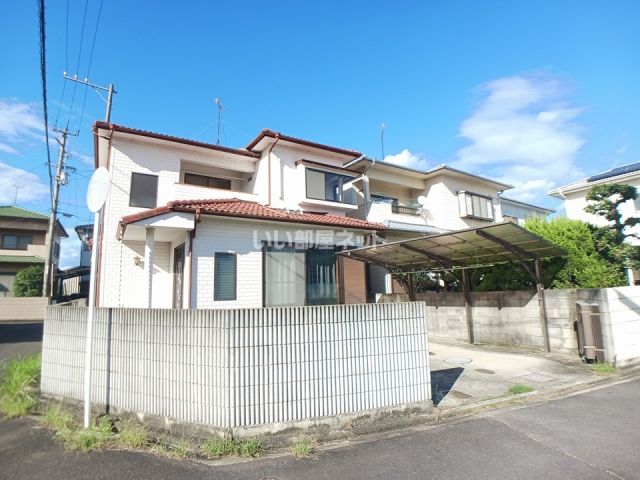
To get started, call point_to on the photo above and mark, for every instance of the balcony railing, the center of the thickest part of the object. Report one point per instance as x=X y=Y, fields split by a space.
x=397 y=208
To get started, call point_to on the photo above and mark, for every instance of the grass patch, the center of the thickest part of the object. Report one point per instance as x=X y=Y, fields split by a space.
x=19 y=386
x=303 y=447
x=132 y=435
x=97 y=436
x=520 y=389
x=603 y=369
x=56 y=418
x=181 y=448
x=218 y=447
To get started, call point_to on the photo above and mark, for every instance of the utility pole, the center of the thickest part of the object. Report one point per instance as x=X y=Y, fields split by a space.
x=47 y=285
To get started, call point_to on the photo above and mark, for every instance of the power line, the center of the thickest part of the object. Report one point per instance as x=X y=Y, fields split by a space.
x=93 y=45
x=43 y=72
x=66 y=65
x=73 y=95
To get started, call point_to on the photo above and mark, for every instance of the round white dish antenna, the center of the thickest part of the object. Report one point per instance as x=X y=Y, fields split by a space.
x=422 y=200
x=98 y=189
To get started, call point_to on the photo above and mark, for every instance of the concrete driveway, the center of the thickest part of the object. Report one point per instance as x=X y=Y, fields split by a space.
x=463 y=373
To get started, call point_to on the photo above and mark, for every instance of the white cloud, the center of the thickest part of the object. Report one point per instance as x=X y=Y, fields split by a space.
x=82 y=157
x=408 y=159
x=622 y=150
x=523 y=132
x=31 y=187
x=19 y=123
x=70 y=251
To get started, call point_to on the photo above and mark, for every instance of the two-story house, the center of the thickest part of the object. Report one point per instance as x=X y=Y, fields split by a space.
x=574 y=196
x=23 y=243
x=189 y=224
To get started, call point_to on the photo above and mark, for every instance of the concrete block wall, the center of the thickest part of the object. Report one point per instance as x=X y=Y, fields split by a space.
x=243 y=368
x=501 y=317
x=22 y=308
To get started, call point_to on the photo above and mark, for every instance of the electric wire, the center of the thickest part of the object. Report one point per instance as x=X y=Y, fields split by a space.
x=66 y=65
x=43 y=72
x=93 y=45
x=75 y=84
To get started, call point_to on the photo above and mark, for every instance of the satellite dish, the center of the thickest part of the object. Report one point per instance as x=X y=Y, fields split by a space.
x=98 y=189
x=422 y=200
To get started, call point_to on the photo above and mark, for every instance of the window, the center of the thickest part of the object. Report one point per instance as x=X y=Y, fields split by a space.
x=298 y=276
x=321 y=276
x=636 y=202
x=330 y=186
x=284 y=276
x=16 y=242
x=205 y=181
x=224 y=276
x=476 y=206
x=144 y=190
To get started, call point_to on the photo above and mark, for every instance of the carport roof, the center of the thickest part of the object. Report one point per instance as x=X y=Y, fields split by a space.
x=472 y=247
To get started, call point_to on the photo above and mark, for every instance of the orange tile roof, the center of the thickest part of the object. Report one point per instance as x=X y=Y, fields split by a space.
x=234 y=207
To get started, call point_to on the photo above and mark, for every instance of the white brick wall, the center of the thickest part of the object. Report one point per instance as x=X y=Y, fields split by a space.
x=243 y=238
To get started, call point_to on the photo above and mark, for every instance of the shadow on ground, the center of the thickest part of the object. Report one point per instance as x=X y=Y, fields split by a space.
x=442 y=382
x=20 y=332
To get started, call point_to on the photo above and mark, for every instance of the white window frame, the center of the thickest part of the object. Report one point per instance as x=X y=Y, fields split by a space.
x=471 y=205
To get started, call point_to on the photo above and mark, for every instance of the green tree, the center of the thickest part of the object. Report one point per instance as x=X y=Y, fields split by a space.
x=604 y=201
x=28 y=282
x=584 y=266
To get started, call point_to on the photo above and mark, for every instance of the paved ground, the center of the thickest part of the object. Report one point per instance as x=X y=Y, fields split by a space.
x=19 y=338
x=491 y=370
x=592 y=435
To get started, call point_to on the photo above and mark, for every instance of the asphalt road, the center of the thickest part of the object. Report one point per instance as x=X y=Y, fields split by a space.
x=592 y=435
x=19 y=339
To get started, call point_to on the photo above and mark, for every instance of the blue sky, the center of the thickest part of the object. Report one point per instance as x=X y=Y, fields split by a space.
x=534 y=93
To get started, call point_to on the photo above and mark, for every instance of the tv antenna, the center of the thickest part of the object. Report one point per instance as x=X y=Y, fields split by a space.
x=218 y=102
x=382 y=140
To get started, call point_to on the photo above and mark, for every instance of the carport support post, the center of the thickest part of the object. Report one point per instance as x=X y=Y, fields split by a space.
x=411 y=287
x=148 y=263
x=467 y=304
x=543 y=309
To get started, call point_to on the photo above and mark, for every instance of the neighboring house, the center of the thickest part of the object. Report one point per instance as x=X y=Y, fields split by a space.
x=451 y=200
x=519 y=212
x=189 y=224
x=23 y=243
x=574 y=197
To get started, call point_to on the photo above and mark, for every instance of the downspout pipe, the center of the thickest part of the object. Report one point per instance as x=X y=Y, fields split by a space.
x=269 y=168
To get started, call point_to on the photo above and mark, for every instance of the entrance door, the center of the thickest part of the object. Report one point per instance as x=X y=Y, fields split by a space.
x=178 y=276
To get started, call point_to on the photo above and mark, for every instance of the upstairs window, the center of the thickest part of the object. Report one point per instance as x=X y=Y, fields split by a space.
x=330 y=186
x=225 y=274
x=144 y=190
x=636 y=202
x=16 y=242
x=475 y=206
x=206 y=181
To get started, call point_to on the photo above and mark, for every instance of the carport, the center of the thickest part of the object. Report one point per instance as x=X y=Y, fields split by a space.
x=462 y=250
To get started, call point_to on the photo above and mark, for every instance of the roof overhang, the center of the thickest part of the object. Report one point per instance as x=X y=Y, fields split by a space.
x=460 y=249
x=267 y=137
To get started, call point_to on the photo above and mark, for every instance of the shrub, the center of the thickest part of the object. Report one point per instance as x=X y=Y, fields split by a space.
x=28 y=282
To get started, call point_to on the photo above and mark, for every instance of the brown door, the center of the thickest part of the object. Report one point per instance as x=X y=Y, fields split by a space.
x=353 y=279
x=178 y=276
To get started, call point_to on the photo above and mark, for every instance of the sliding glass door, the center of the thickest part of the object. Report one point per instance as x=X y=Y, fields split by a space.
x=298 y=276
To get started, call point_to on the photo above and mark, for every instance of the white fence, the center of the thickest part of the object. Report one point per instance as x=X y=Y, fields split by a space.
x=243 y=367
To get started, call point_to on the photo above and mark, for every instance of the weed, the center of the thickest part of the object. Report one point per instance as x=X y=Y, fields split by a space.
x=303 y=447
x=132 y=435
x=603 y=369
x=57 y=419
x=182 y=448
x=520 y=388
x=95 y=437
x=19 y=385
x=217 y=447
